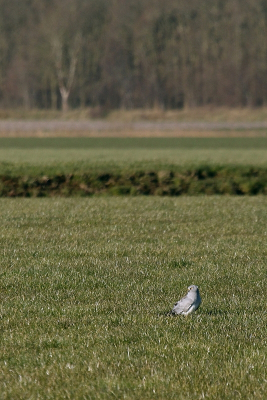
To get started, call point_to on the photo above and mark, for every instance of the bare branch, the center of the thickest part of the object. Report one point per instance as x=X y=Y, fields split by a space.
x=74 y=52
x=65 y=74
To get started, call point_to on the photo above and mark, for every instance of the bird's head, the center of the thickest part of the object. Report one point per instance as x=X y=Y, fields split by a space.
x=192 y=288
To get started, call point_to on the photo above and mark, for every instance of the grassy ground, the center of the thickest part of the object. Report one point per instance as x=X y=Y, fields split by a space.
x=134 y=143
x=85 y=285
x=67 y=155
x=68 y=166
x=38 y=161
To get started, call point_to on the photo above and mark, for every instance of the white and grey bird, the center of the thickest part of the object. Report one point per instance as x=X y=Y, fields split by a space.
x=189 y=303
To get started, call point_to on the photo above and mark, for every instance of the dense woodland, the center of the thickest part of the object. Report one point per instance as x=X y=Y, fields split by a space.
x=133 y=53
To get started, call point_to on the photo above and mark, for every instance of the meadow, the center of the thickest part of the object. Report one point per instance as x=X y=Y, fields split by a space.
x=173 y=166
x=86 y=285
x=68 y=155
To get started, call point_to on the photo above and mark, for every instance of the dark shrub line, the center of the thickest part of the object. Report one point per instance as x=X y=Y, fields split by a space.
x=203 y=180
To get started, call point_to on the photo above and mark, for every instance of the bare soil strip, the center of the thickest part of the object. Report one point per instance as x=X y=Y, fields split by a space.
x=99 y=128
x=133 y=134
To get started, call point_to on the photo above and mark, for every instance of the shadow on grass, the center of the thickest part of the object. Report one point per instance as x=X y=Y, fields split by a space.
x=165 y=313
x=213 y=312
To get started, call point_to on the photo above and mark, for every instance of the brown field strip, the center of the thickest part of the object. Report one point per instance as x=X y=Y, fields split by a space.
x=102 y=128
x=133 y=134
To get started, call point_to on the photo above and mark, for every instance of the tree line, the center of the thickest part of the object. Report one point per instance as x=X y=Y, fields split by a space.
x=133 y=53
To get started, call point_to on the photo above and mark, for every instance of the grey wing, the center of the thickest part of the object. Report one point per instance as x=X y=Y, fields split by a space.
x=182 y=306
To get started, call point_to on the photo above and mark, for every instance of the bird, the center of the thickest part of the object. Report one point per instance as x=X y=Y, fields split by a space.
x=189 y=303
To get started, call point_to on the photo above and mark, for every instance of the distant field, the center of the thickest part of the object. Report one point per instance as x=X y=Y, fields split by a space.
x=68 y=155
x=86 y=283
x=134 y=143
x=139 y=123
x=170 y=166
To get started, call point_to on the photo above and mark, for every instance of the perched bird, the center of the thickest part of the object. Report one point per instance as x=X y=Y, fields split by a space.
x=189 y=303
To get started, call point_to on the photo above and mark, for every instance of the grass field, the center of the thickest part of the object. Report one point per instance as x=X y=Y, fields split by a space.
x=68 y=155
x=85 y=285
x=15 y=161
x=157 y=166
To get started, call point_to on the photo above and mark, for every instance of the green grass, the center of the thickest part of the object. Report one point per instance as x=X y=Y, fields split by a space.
x=230 y=165
x=38 y=162
x=28 y=156
x=245 y=143
x=85 y=285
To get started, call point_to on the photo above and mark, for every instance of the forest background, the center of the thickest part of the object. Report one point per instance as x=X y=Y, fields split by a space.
x=109 y=54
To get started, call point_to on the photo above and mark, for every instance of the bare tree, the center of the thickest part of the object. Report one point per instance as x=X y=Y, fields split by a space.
x=62 y=34
x=65 y=71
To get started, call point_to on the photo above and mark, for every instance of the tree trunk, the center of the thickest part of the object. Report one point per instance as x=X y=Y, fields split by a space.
x=65 y=75
x=64 y=99
x=53 y=94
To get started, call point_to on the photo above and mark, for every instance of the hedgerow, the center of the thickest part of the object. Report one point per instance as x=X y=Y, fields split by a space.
x=208 y=180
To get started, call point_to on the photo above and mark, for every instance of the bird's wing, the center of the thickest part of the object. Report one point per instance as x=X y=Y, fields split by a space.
x=183 y=305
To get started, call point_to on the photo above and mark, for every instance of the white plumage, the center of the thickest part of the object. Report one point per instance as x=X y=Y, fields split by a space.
x=189 y=303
